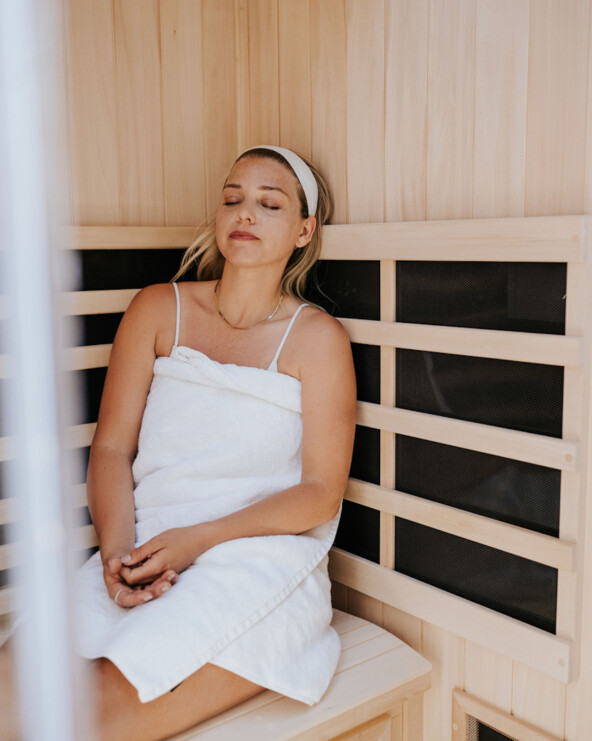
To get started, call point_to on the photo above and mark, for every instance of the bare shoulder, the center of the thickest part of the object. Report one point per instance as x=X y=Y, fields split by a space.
x=150 y=314
x=322 y=339
x=152 y=299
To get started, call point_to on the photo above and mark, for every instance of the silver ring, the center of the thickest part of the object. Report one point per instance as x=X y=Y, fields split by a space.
x=117 y=595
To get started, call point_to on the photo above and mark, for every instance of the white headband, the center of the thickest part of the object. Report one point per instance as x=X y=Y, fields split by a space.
x=301 y=170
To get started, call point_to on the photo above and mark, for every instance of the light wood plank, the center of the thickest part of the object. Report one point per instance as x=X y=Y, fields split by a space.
x=557 y=89
x=450 y=109
x=397 y=733
x=549 y=239
x=522 y=446
x=413 y=718
x=288 y=719
x=578 y=706
x=534 y=239
x=488 y=675
x=91 y=356
x=527 y=347
x=575 y=426
x=93 y=122
x=264 y=72
x=339 y=596
x=364 y=606
x=404 y=626
x=524 y=643
x=76 y=303
x=365 y=110
x=241 y=74
x=538 y=699
x=545 y=549
x=328 y=92
x=445 y=651
x=183 y=103
x=139 y=111
x=377 y=729
x=388 y=280
x=294 y=76
x=406 y=77
x=219 y=70
x=588 y=165
x=501 y=84
x=465 y=705
x=128 y=237
x=363 y=634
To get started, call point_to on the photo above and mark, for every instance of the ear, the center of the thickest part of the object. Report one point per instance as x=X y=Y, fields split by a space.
x=308 y=229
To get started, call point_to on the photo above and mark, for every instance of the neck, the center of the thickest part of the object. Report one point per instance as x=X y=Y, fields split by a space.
x=245 y=302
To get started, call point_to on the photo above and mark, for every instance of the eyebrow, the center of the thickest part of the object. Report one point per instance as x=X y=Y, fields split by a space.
x=260 y=187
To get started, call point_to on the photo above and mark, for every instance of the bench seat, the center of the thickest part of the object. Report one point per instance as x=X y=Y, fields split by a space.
x=376 y=677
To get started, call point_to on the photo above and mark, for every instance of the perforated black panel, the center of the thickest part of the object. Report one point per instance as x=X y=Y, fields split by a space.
x=480 y=732
x=512 y=491
x=487 y=295
x=501 y=581
x=519 y=396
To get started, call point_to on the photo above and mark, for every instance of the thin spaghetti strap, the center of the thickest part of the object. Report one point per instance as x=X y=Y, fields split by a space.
x=273 y=365
x=178 y=322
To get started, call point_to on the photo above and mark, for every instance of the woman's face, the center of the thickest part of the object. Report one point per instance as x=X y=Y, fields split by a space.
x=258 y=221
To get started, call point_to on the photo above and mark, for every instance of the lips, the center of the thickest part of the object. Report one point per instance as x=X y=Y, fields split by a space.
x=246 y=236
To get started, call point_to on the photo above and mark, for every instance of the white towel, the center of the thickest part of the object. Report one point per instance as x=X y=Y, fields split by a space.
x=214 y=439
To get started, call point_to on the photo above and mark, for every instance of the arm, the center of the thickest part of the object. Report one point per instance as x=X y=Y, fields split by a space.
x=328 y=412
x=109 y=481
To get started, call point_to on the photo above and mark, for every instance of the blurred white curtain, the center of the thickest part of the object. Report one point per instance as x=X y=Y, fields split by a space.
x=33 y=207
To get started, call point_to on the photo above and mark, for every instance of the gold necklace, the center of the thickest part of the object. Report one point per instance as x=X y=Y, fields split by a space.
x=234 y=326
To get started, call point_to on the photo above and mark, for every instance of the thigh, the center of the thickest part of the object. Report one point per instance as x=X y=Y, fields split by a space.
x=209 y=691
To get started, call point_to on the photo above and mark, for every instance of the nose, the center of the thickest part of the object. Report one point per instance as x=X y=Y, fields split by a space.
x=246 y=212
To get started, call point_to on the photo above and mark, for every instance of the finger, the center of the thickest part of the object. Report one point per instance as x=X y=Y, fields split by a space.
x=114 y=565
x=142 y=552
x=125 y=597
x=152 y=569
x=170 y=575
x=160 y=586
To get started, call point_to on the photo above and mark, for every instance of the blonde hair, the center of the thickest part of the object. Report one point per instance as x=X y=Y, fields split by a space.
x=203 y=252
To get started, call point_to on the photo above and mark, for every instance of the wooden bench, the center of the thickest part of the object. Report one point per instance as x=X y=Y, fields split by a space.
x=375 y=695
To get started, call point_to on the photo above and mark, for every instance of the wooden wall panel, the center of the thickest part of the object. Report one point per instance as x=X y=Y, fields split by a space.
x=264 y=72
x=294 y=76
x=446 y=654
x=53 y=72
x=488 y=675
x=538 y=699
x=137 y=48
x=557 y=90
x=183 y=111
x=588 y=165
x=501 y=79
x=406 y=51
x=220 y=128
x=450 y=109
x=92 y=111
x=328 y=93
x=365 y=110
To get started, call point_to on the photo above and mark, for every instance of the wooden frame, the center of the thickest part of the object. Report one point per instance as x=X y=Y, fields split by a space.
x=544 y=239
x=465 y=706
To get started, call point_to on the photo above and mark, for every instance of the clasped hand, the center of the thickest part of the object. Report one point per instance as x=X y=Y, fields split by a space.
x=150 y=570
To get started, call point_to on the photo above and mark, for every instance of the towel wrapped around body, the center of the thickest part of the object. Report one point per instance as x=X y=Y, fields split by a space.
x=214 y=439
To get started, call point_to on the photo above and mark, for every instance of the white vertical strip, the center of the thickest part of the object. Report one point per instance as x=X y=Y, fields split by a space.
x=42 y=639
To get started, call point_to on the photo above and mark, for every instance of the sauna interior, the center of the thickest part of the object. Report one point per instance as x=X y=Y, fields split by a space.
x=455 y=122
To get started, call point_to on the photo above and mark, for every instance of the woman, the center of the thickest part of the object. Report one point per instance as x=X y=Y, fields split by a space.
x=217 y=471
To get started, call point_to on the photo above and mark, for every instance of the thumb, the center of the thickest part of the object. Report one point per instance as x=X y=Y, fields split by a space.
x=114 y=565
